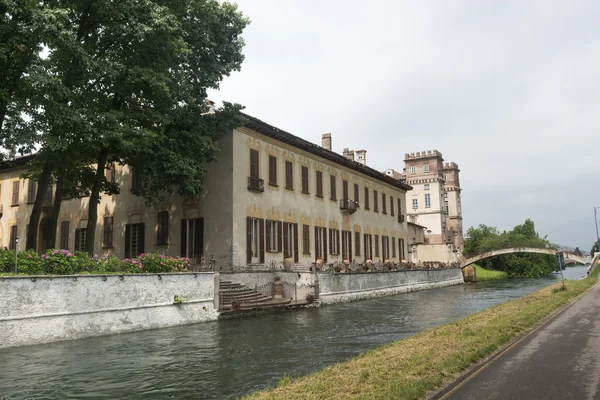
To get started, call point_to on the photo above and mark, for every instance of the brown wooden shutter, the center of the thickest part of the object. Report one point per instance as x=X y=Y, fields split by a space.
x=367 y=198
x=295 y=243
x=345 y=190
x=331 y=247
x=199 y=238
x=304 y=179
x=349 y=234
x=127 y=240
x=184 y=223
x=285 y=240
x=333 y=187
x=356 y=194
x=268 y=234
x=371 y=245
x=64 y=235
x=262 y=240
x=384 y=203
x=142 y=240
x=357 y=244
x=376 y=245
x=393 y=248
x=337 y=235
x=365 y=246
x=254 y=168
x=289 y=175
x=375 y=201
x=399 y=206
x=78 y=239
x=15 y=193
x=31 y=191
x=305 y=239
x=272 y=170
x=316 y=245
x=392 y=205
x=324 y=245
x=279 y=236
x=248 y=240
x=319 y=184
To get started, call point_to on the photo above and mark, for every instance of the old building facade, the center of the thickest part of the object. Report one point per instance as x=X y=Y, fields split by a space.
x=434 y=203
x=271 y=197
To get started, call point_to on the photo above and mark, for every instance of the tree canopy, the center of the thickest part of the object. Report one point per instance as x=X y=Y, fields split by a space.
x=121 y=83
x=485 y=238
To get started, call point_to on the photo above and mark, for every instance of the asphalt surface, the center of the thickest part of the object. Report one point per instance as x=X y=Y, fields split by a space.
x=561 y=360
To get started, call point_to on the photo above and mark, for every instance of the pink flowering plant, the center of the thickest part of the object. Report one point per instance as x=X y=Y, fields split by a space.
x=65 y=262
x=60 y=262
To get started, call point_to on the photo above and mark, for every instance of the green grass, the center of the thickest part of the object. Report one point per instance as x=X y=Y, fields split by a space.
x=412 y=367
x=488 y=275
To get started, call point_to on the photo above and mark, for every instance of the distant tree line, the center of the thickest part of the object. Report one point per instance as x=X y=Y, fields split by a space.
x=486 y=238
x=93 y=83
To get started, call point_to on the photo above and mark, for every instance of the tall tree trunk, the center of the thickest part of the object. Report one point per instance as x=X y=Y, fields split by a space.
x=53 y=222
x=36 y=212
x=90 y=231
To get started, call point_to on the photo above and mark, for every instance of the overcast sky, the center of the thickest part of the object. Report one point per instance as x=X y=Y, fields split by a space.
x=509 y=90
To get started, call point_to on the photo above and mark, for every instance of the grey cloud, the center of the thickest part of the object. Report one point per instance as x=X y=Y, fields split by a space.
x=509 y=90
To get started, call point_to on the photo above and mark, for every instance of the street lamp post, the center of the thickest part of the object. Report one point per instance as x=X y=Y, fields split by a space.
x=596 y=221
x=16 y=254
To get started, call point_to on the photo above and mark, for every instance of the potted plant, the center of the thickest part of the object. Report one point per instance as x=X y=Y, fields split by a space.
x=337 y=268
x=319 y=263
x=367 y=265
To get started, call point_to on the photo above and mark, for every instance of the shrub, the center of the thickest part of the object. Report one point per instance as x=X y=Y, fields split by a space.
x=59 y=262
x=105 y=265
x=30 y=263
x=131 y=266
x=155 y=263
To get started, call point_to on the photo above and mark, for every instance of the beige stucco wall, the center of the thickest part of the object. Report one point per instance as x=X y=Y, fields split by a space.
x=279 y=203
x=215 y=206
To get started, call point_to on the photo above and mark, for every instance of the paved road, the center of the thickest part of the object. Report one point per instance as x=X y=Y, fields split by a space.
x=559 y=361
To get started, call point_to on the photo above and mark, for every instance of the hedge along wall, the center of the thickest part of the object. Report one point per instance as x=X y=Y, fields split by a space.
x=45 y=309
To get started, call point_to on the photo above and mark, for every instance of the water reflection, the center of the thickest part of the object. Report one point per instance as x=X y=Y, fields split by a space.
x=233 y=357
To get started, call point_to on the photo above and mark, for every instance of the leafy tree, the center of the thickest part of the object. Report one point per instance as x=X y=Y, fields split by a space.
x=595 y=248
x=126 y=82
x=577 y=252
x=484 y=239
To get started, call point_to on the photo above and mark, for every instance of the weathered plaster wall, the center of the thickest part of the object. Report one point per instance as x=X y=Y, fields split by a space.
x=261 y=278
x=44 y=309
x=339 y=288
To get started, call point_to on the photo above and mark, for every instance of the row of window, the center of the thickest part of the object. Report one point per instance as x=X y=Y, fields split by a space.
x=272 y=236
x=32 y=188
x=192 y=236
x=289 y=184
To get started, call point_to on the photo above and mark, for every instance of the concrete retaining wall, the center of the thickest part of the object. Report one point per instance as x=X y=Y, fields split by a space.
x=339 y=288
x=47 y=309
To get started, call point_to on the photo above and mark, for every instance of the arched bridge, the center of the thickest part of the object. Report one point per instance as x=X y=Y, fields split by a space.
x=569 y=257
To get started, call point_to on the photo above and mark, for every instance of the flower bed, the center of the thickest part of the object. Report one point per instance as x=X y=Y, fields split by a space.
x=65 y=262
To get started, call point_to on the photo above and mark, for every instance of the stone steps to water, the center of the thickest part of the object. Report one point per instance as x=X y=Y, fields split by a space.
x=248 y=299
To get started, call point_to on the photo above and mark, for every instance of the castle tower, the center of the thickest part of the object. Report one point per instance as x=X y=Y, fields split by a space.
x=452 y=204
x=425 y=203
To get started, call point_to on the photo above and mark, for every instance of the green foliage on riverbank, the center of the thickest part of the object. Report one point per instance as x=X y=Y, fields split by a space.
x=64 y=262
x=488 y=275
x=486 y=238
x=413 y=367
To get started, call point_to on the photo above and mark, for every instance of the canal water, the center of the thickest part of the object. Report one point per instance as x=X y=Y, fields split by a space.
x=225 y=359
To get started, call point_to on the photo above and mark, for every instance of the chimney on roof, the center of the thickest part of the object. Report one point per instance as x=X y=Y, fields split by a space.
x=326 y=141
x=361 y=156
x=349 y=154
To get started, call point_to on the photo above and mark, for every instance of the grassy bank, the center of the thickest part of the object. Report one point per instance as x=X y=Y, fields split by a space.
x=412 y=367
x=488 y=275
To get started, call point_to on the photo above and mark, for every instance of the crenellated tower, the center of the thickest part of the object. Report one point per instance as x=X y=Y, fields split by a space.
x=452 y=204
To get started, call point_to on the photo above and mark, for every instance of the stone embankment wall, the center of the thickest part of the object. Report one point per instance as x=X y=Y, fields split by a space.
x=45 y=309
x=339 y=288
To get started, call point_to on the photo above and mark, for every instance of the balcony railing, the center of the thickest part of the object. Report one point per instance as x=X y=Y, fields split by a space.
x=348 y=205
x=256 y=184
x=400 y=218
